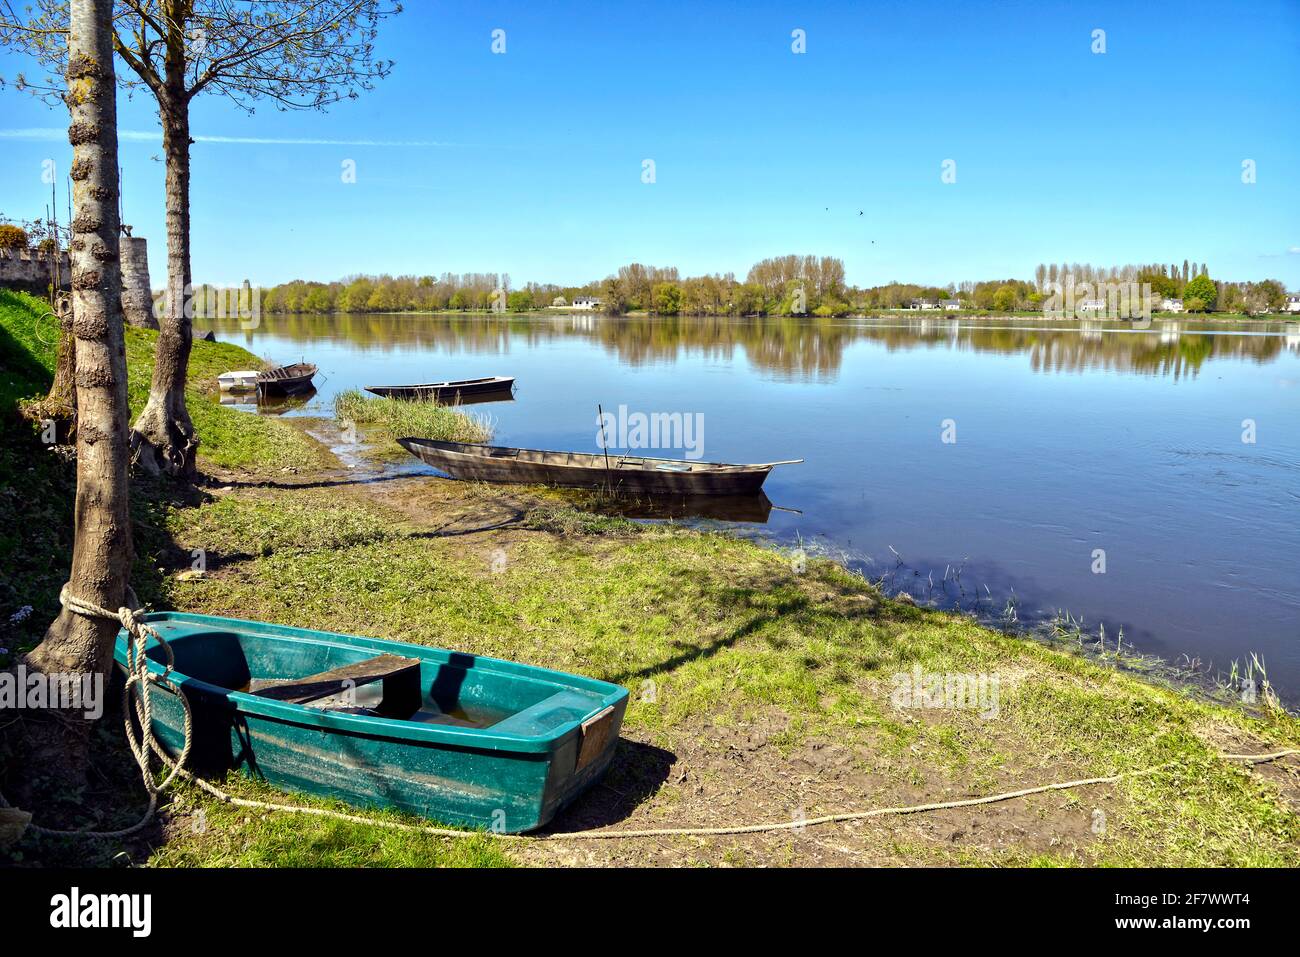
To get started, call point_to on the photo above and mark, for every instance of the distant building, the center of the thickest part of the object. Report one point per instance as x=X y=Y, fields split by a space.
x=586 y=302
x=951 y=305
x=1292 y=304
x=1171 y=305
x=923 y=304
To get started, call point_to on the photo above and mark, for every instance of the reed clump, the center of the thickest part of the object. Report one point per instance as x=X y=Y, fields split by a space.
x=398 y=418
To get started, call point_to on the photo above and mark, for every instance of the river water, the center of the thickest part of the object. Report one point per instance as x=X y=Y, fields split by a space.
x=1143 y=480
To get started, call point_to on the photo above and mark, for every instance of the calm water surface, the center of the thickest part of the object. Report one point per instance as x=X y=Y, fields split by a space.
x=1069 y=438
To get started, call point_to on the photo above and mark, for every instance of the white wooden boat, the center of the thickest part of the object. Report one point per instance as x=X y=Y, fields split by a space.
x=242 y=380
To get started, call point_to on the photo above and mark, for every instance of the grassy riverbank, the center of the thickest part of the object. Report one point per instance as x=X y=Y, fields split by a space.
x=762 y=689
x=392 y=419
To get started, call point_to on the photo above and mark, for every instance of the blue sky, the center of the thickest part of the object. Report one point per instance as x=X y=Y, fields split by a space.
x=530 y=162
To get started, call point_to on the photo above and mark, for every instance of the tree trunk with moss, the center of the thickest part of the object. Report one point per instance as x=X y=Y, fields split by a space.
x=56 y=746
x=163 y=440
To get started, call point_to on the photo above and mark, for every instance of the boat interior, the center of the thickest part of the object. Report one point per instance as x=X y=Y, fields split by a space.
x=590 y=460
x=444 y=688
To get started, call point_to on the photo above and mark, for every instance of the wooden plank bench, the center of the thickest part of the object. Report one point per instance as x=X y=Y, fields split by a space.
x=334 y=689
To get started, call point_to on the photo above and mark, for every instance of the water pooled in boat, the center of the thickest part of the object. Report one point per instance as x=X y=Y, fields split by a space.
x=459 y=716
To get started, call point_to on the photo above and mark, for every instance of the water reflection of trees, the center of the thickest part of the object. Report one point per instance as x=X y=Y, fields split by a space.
x=790 y=347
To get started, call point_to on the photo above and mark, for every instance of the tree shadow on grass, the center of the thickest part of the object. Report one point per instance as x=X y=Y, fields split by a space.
x=331 y=482
x=736 y=598
x=514 y=519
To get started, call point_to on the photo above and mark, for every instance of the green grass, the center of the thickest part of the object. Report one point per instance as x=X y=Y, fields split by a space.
x=396 y=418
x=724 y=631
x=229 y=438
x=27 y=343
x=206 y=833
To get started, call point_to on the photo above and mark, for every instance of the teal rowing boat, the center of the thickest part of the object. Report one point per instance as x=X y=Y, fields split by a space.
x=458 y=738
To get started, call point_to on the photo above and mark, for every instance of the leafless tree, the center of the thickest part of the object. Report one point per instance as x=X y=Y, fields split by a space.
x=294 y=54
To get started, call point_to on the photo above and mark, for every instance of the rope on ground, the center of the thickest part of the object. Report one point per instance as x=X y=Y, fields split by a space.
x=136 y=697
x=791 y=825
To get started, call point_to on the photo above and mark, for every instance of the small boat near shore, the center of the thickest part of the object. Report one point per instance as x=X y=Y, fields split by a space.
x=454 y=391
x=490 y=463
x=456 y=737
x=241 y=380
x=287 y=380
x=281 y=380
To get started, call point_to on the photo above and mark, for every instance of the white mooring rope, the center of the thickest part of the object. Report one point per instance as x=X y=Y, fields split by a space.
x=135 y=696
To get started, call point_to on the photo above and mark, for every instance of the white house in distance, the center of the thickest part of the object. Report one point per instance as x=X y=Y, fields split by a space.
x=1292 y=304
x=1171 y=305
x=923 y=304
x=586 y=302
x=951 y=305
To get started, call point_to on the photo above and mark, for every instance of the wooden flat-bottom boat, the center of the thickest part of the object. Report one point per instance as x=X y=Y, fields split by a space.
x=287 y=380
x=455 y=737
x=490 y=463
x=457 y=390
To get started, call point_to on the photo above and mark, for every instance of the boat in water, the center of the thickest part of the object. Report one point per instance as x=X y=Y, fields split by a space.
x=456 y=391
x=455 y=737
x=279 y=380
x=490 y=463
x=287 y=380
x=241 y=380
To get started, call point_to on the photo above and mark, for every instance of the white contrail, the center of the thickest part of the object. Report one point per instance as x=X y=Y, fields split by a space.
x=53 y=133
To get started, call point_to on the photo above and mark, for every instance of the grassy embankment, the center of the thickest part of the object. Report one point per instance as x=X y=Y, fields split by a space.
x=36 y=481
x=760 y=692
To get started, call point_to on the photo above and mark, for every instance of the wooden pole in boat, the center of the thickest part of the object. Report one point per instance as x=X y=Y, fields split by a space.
x=604 y=444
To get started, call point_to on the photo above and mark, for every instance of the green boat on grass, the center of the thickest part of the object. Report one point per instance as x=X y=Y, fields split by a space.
x=461 y=739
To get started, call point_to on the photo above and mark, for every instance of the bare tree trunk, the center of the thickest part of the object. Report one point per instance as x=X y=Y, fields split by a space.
x=163 y=439
x=60 y=403
x=102 y=548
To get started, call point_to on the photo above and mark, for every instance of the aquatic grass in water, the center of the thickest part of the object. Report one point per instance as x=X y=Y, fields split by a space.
x=398 y=418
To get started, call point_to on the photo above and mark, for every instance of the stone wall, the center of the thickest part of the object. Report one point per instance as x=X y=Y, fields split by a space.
x=30 y=271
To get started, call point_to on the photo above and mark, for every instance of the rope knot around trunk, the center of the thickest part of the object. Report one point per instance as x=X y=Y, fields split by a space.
x=136 y=697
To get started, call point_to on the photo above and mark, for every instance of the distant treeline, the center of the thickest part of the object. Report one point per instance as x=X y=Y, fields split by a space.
x=780 y=286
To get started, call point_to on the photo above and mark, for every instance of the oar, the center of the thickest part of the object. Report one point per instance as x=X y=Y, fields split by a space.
x=768 y=465
x=604 y=444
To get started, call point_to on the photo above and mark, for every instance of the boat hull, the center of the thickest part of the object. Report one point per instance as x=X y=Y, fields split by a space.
x=487 y=467
x=529 y=740
x=287 y=380
x=497 y=388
